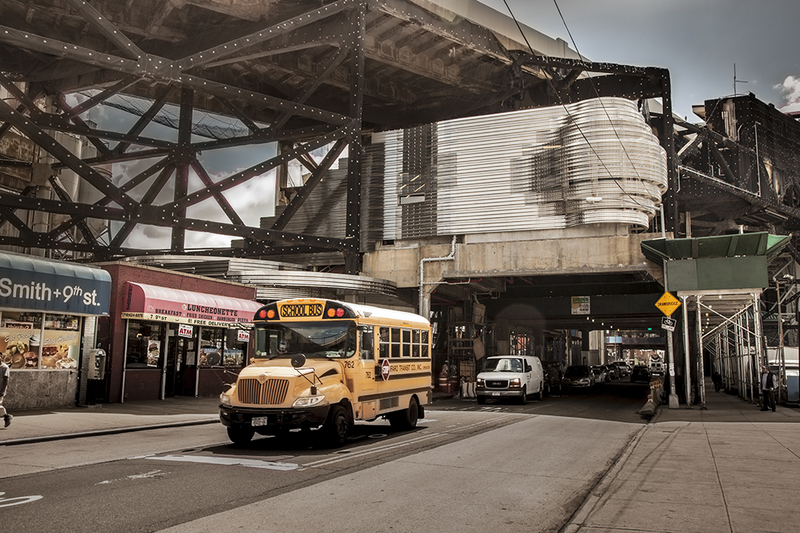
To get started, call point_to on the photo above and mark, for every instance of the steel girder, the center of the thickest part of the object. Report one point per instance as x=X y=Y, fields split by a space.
x=305 y=74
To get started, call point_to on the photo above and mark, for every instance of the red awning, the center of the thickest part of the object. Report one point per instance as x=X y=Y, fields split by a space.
x=148 y=302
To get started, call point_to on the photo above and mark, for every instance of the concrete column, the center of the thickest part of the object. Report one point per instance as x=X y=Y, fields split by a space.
x=501 y=337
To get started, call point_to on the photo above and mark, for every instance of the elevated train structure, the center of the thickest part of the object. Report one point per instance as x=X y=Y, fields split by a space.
x=422 y=149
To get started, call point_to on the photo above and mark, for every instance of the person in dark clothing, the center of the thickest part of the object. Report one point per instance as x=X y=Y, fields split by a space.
x=4 y=376
x=767 y=389
x=716 y=377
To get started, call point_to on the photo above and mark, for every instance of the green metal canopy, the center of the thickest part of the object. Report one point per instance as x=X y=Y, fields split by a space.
x=738 y=245
x=725 y=262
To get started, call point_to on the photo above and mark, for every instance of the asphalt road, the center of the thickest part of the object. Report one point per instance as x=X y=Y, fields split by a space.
x=465 y=468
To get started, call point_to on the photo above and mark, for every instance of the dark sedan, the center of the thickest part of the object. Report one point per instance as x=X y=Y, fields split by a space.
x=640 y=373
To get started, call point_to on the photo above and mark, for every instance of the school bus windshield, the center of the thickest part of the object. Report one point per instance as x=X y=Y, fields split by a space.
x=332 y=339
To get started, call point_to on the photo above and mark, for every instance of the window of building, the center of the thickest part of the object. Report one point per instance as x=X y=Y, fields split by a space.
x=212 y=341
x=40 y=341
x=144 y=344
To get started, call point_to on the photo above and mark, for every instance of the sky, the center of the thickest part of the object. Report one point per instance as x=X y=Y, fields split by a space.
x=699 y=41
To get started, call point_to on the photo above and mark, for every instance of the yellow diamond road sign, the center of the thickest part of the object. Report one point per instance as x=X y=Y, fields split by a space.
x=668 y=303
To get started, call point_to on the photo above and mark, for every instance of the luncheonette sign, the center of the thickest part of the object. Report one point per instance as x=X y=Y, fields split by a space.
x=162 y=304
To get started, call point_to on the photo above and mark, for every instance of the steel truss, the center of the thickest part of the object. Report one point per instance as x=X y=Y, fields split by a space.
x=258 y=71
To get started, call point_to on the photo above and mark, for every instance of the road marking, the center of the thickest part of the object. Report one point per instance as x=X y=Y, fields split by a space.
x=498 y=419
x=146 y=475
x=377 y=449
x=6 y=502
x=227 y=461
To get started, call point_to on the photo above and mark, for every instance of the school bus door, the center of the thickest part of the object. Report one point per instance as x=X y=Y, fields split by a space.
x=366 y=388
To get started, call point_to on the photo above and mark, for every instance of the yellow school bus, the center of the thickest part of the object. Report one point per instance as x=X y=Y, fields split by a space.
x=323 y=364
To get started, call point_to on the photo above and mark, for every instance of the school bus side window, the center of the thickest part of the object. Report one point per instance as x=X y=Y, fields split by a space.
x=395 y=342
x=406 y=343
x=367 y=342
x=425 y=352
x=415 y=348
x=384 y=343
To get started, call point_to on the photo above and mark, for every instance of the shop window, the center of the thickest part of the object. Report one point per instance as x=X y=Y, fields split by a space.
x=211 y=346
x=236 y=341
x=221 y=347
x=144 y=344
x=60 y=342
x=20 y=339
x=37 y=341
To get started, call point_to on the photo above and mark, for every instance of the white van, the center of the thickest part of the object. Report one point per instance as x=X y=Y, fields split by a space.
x=510 y=376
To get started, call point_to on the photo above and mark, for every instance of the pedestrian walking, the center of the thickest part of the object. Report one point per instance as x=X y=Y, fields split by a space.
x=5 y=374
x=717 y=378
x=767 y=389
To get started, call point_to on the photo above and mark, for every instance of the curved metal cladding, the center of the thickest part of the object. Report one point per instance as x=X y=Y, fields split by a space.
x=591 y=162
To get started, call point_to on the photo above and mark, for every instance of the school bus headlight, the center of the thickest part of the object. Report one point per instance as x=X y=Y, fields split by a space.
x=225 y=399
x=309 y=401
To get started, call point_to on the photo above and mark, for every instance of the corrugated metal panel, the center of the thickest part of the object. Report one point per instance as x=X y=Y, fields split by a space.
x=591 y=162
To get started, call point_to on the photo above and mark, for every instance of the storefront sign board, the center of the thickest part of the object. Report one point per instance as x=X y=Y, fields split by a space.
x=162 y=304
x=53 y=286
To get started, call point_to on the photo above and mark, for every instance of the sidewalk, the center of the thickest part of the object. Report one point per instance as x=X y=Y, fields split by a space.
x=71 y=422
x=728 y=468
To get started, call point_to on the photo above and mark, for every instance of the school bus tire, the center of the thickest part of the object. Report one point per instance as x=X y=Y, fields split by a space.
x=407 y=418
x=337 y=427
x=240 y=434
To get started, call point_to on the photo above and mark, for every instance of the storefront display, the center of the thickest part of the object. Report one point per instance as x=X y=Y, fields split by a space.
x=44 y=306
x=174 y=336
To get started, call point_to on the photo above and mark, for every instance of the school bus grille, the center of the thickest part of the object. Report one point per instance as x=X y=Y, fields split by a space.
x=272 y=392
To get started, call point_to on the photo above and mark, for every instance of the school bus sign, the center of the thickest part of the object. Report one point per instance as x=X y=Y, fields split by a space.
x=668 y=304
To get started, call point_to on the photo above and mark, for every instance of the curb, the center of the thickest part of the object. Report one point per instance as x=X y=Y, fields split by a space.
x=596 y=493
x=99 y=432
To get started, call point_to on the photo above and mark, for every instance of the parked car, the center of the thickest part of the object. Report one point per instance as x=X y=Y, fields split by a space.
x=612 y=371
x=510 y=376
x=552 y=376
x=623 y=369
x=600 y=374
x=578 y=376
x=640 y=373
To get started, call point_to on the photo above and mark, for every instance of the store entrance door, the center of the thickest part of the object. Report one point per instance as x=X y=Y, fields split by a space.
x=176 y=361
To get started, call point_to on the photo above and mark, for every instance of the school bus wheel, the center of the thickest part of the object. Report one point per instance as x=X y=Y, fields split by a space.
x=240 y=434
x=337 y=427
x=407 y=418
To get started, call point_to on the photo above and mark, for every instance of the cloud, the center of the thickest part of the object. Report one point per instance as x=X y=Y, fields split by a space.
x=790 y=92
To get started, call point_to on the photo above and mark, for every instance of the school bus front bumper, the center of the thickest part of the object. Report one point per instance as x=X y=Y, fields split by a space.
x=263 y=418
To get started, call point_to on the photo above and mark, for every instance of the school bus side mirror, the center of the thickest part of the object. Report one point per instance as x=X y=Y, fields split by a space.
x=298 y=360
